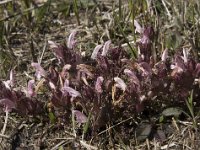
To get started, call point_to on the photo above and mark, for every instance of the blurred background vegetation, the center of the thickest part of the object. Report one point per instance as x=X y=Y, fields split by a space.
x=26 y=25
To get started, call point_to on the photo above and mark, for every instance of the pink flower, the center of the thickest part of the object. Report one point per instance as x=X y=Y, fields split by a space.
x=57 y=50
x=7 y=104
x=65 y=69
x=72 y=92
x=71 y=40
x=39 y=70
x=132 y=76
x=68 y=90
x=106 y=48
x=95 y=51
x=9 y=83
x=80 y=117
x=98 y=84
x=138 y=29
x=120 y=83
x=30 y=88
x=52 y=44
x=145 y=69
x=66 y=83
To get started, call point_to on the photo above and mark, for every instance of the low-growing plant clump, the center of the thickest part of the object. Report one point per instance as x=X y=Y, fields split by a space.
x=107 y=87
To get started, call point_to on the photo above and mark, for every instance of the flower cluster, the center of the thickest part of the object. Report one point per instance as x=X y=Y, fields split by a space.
x=110 y=84
x=22 y=102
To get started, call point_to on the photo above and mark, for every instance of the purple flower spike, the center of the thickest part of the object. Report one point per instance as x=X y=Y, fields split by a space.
x=132 y=76
x=98 y=84
x=57 y=50
x=145 y=69
x=66 y=83
x=65 y=69
x=144 y=44
x=9 y=83
x=71 y=40
x=145 y=41
x=80 y=117
x=7 y=104
x=95 y=51
x=30 y=88
x=68 y=90
x=106 y=48
x=72 y=92
x=39 y=70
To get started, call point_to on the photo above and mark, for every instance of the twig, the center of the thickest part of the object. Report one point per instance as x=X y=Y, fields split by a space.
x=168 y=13
x=5 y=124
x=62 y=143
x=43 y=51
x=70 y=140
x=115 y=125
x=6 y=1
x=4 y=136
x=87 y=146
x=73 y=121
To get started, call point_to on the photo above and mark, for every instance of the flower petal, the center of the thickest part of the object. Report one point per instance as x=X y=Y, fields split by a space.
x=7 y=104
x=98 y=84
x=71 y=40
x=106 y=47
x=138 y=29
x=52 y=44
x=72 y=92
x=66 y=83
x=120 y=83
x=95 y=51
x=52 y=86
x=80 y=117
x=65 y=69
x=132 y=76
x=39 y=70
x=30 y=88
x=145 y=68
x=9 y=83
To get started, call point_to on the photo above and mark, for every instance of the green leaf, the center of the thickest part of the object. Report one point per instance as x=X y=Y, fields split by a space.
x=161 y=119
x=42 y=11
x=52 y=117
x=173 y=40
x=86 y=126
x=61 y=148
x=173 y=111
x=143 y=131
x=189 y=103
x=6 y=62
x=1 y=33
